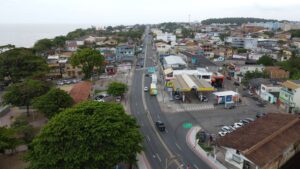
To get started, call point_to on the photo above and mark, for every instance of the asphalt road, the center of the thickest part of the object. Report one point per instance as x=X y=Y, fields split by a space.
x=159 y=146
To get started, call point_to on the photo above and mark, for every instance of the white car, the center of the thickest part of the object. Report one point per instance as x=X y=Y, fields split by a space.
x=237 y=125
x=100 y=100
x=226 y=129
x=145 y=88
x=222 y=133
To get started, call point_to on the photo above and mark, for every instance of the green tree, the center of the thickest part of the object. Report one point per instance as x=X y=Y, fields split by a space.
x=265 y=60
x=117 y=88
x=43 y=45
x=252 y=75
x=59 y=41
x=90 y=135
x=20 y=63
x=7 y=139
x=187 y=33
x=21 y=94
x=53 y=102
x=241 y=50
x=23 y=129
x=88 y=60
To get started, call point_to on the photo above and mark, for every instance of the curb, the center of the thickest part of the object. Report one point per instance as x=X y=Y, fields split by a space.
x=199 y=154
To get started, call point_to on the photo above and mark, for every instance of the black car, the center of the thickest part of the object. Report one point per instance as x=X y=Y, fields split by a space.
x=160 y=125
x=258 y=114
x=260 y=104
x=230 y=106
x=236 y=83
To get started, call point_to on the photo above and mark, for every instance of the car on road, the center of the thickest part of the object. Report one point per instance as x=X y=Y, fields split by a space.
x=160 y=126
x=177 y=97
x=67 y=81
x=60 y=83
x=228 y=77
x=260 y=104
x=147 y=75
x=203 y=98
x=146 y=89
x=259 y=114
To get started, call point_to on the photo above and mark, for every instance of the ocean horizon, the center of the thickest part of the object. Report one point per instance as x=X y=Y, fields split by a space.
x=25 y=35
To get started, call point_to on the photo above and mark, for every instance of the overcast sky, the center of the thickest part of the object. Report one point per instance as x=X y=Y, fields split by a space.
x=106 y=12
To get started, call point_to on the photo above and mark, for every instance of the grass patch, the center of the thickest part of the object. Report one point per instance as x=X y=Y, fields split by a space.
x=99 y=91
x=206 y=147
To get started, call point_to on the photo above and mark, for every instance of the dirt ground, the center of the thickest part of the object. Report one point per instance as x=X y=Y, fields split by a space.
x=12 y=161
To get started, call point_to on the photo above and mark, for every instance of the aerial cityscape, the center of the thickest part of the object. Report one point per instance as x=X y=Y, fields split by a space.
x=181 y=88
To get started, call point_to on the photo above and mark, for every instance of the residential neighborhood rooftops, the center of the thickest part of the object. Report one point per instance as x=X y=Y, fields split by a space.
x=292 y=84
x=81 y=91
x=265 y=139
x=172 y=59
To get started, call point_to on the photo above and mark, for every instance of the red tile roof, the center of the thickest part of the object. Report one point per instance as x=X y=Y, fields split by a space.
x=265 y=139
x=81 y=91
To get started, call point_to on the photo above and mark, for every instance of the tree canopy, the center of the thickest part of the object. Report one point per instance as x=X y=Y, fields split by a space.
x=21 y=94
x=53 y=102
x=117 y=88
x=90 y=135
x=88 y=60
x=187 y=33
x=235 y=20
x=7 y=139
x=20 y=63
x=252 y=75
x=43 y=45
x=265 y=60
x=293 y=66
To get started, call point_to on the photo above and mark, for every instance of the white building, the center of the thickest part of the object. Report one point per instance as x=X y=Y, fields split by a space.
x=174 y=62
x=255 y=56
x=167 y=37
x=270 y=92
x=201 y=73
x=250 y=43
x=163 y=48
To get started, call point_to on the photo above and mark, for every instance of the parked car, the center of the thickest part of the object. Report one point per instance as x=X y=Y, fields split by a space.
x=244 y=121
x=222 y=133
x=160 y=126
x=236 y=83
x=229 y=106
x=147 y=75
x=237 y=125
x=118 y=99
x=260 y=104
x=60 y=82
x=226 y=129
x=249 y=119
x=259 y=114
x=203 y=99
x=177 y=97
x=145 y=88
x=228 y=77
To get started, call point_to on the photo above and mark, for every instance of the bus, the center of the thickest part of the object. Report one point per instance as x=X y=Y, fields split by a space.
x=153 y=89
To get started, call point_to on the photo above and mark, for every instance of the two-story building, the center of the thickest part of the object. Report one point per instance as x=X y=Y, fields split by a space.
x=163 y=48
x=270 y=92
x=290 y=96
x=125 y=53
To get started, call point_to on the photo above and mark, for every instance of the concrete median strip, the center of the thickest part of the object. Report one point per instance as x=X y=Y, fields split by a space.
x=191 y=142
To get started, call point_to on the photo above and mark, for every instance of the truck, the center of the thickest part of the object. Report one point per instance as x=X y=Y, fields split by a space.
x=154 y=78
x=153 y=89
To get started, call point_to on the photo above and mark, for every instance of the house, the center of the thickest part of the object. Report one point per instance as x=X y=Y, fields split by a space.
x=267 y=143
x=270 y=91
x=167 y=37
x=240 y=70
x=267 y=43
x=125 y=52
x=290 y=96
x=71 y=46
x=237 y=42
x=162 y=48
x=276 y=73
x=108 y=54
x=174 y=62
x=55 y=68
x=255 y=84
x=250 y=43
x=255 y=56
x=81 y=91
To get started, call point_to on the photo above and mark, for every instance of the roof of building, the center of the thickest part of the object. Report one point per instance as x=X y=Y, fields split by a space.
x=265 y=139
x=292 y=84
x=225 y=93
x=81 y=91
x=201 y=61
x=172 y=60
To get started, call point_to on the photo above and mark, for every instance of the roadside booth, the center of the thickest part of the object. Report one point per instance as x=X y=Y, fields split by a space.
x=226 y=97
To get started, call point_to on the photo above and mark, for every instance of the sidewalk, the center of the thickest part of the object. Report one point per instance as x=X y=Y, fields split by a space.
x=190 y=139
x=142 y=161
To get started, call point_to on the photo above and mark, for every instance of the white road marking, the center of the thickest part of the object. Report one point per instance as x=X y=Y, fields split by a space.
x=195 y=166
x=148 y=138
x=178 y=146
x=158 y=157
